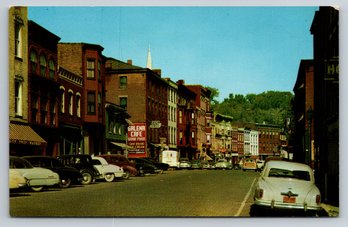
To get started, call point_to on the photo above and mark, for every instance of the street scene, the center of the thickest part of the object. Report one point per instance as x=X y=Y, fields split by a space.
x=95 y=134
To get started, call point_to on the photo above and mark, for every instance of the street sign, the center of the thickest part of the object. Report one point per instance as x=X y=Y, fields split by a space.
x=155 y=124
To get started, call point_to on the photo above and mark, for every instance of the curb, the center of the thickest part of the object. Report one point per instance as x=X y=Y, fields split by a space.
x=331 y=211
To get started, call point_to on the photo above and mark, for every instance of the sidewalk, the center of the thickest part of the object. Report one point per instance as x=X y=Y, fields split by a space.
x=331 y=211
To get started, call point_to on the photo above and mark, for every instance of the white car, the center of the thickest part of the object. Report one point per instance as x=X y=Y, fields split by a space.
x=37 y=177
x=223 y=164
x=107 y=171
x=287 y=185
x=16 y=180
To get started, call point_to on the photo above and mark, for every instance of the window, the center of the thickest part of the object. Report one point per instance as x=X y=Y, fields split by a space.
x=34 y=109
x=123 y=102
x=78 y=104
x=52 y=113
x=123 y=82
x=91 y=102
x=43 y=65
x=62 y=101
x=180 y=117
x=70 y=98
x=52 y=68
x=18 y=40
x=90 y=69
x=18 y=97
x=180 y=137
x=99 y=71
x=99 y=103
x=43 y=111
x=33 y=61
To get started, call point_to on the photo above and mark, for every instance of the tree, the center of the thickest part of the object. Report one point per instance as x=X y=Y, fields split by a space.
x=213 y=96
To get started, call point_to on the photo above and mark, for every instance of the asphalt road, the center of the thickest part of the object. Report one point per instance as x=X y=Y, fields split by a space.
x=181 y=193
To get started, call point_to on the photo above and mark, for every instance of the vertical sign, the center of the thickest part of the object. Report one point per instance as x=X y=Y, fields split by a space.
x=137 y=140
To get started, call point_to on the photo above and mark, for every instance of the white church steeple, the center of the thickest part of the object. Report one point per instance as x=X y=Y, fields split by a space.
x=149 y=60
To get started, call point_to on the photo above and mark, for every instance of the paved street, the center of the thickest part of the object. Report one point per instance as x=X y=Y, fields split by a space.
x=182 y=193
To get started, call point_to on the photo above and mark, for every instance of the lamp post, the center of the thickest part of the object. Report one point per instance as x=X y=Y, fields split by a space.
x=309 y=120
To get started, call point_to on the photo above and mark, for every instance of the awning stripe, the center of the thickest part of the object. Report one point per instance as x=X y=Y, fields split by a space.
x=24 y=134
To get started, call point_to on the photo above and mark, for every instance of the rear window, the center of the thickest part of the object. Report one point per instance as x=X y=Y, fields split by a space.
x=285 y=173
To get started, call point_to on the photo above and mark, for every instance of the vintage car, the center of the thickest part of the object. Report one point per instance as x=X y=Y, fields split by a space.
x=144 y=166
x=287 y=185
x=223 y=164
x=107 y=171
x=68 y=175
x=84 y=164
x=16 y=180
x=121 y=161
x=249 y=164
x=37 y=178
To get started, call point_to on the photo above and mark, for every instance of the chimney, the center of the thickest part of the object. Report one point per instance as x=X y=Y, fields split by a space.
x=158 y=71
x=181 y=82
x=130 y=62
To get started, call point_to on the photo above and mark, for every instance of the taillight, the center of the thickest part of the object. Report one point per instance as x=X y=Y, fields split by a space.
x=259 y=193
x=318 y=199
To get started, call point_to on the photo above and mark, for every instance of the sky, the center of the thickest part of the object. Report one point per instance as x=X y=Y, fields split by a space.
x=239 y=50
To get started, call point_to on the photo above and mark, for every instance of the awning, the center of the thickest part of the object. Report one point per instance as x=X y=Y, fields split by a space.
x=122 y=145
x=24 y=134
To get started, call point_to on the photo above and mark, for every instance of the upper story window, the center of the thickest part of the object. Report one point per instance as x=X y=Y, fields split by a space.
x=43 y=65
x=90 y=69
x=123 y=102
x=99 y=71
x=91 y=102
x=71 y=100
x=78 y=104
x=33 y=61
x=52 y=113
x=99 y=103
x=18 y=97
x=62 y=99
x=18 y=39
x=51 y=68
x=123 y=82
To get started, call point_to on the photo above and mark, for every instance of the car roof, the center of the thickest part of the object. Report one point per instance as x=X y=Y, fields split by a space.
x=287 y=164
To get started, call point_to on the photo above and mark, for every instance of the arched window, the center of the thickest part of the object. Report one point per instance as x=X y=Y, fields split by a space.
x=62 y=100
x=78 y=104
x=43 y=65
x=71 y=101
x=52 y=68
x=33 y=61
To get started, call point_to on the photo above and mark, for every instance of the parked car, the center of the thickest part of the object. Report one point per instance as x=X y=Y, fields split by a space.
x=208 y=164
x=184 y=163
x=121 y=161
x=160 y=165
x=249 y=164
x=37 y=178
x=16 y=180
x=84 y=164
x=287 y=185
x=196 y=164
x=223 y=164
x=107 y=171
x=260 y=164
x=144 y=167
x=68 y=175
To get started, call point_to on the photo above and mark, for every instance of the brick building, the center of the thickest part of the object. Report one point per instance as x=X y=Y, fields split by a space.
x=23 y=139
x=303 y=103
x=325 y=31
x=86 y=60
x=202 y=113
x=187 y=126
x=269 y=140
x=43 y=88
x=70 y=111
x=143 y=94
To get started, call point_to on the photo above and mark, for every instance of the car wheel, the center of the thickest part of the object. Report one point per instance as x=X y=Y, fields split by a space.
x=37 y=189
x=86 y=178
x=65 y=183
x=109 y=177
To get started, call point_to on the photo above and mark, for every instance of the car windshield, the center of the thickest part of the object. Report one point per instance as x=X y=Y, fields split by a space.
x=285 y=173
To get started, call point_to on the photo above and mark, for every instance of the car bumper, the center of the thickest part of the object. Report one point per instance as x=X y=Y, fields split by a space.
x=286 y=206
